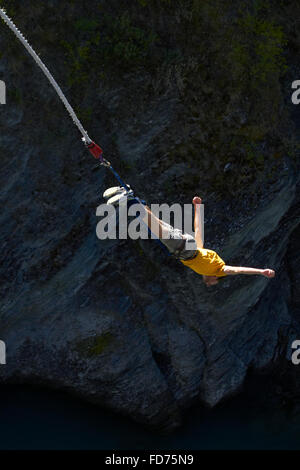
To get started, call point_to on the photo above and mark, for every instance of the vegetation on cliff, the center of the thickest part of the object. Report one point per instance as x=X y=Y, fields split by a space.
x=225 y=62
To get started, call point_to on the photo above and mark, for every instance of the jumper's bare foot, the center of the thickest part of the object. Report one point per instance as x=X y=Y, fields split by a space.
x=268 y=273
x=197 y=200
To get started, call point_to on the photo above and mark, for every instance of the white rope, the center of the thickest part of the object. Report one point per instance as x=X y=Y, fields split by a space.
x=69 y=108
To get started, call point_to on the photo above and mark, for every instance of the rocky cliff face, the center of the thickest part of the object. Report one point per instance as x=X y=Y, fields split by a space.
x=185 y=99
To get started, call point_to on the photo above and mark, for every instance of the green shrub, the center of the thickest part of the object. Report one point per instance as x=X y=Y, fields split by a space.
x=94 y=346
x=145 y=3
x=257 y=52
x=86 y=24
x=115 y=42
x=125 y=44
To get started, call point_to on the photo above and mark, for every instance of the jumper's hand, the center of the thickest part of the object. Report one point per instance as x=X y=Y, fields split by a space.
x=268 y=273
x=197 y=200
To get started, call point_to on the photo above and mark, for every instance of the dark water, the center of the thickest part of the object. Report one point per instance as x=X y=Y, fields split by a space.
x=33 y=418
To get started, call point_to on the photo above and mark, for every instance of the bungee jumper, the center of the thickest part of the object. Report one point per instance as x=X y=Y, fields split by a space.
x=202 y=261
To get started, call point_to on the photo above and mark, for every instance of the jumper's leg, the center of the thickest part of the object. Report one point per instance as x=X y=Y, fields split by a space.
x=155 y=224
x=172 y=238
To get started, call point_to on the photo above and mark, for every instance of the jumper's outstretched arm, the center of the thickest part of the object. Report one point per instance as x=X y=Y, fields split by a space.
x=197 y=201
x=242 y=270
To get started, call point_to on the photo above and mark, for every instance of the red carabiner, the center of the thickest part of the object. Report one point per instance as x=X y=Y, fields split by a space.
x=95 y=150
